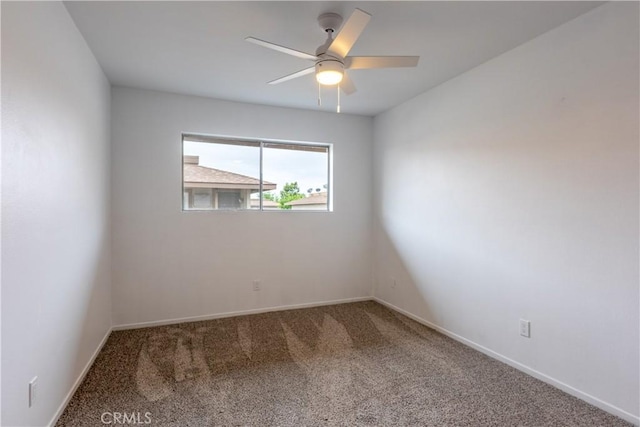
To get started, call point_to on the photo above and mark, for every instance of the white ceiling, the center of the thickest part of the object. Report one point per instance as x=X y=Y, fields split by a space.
x=198 y=48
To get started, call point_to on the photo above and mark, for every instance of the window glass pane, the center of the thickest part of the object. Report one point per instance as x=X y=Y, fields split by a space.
x=219 y=175
x=229 y=200
x=202 y=198
x=296 y=177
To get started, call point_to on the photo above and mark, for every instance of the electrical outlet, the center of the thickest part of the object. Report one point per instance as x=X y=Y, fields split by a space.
x=393 y=283
x=256 y=285
x=33 y=391
x=525 y=328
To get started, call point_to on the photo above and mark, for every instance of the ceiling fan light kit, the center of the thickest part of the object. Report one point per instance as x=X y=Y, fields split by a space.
x=329 y=72
x=331 y=58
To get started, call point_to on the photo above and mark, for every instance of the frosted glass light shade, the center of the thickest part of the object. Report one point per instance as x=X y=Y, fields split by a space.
x=329 y=72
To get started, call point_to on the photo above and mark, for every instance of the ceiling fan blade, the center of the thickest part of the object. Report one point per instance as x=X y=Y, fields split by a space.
x=347 y=85
x=360 y=62
x=282 y=49
x=293 y=76
x=349 y=33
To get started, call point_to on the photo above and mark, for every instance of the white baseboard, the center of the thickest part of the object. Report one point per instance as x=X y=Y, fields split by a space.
x=79 y=380
x=236 y=313
x=527 y=370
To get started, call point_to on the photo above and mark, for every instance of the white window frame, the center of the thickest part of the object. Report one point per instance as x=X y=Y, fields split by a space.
x=232 y=140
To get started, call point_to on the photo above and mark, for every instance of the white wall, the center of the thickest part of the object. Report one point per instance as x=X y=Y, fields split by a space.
x=169 y=264
x=55 y=208
x=511 y=192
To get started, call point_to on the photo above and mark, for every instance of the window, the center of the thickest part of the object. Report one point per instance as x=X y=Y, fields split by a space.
x=235 y=174
x=229 y=199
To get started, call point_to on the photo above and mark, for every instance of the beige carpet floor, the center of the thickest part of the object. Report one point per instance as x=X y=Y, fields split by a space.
x=354 y=364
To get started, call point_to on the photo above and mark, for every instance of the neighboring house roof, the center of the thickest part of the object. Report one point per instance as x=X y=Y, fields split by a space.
x=265 y=203
x=312 y=199
x=198 y=176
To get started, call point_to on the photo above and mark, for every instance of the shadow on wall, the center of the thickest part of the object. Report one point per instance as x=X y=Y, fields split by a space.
x=395 y=281
x=416 y=266
x=93 y=313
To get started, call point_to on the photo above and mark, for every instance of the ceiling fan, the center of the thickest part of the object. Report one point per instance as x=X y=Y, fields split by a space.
x=331 y=58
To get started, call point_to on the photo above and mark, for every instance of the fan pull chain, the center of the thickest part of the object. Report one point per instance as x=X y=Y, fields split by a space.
x=338 y=108
x=319 y=95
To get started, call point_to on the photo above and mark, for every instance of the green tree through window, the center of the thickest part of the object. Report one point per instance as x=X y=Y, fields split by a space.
x=289 y=193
